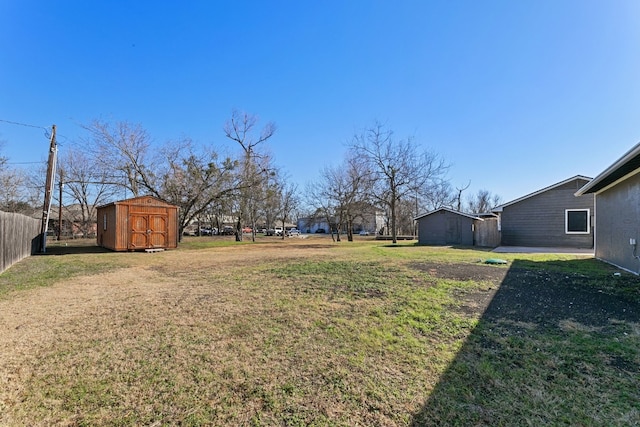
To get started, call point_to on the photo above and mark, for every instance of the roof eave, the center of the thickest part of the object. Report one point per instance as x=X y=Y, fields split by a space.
x=592 y=186
x=535 y=193
x=448 y=210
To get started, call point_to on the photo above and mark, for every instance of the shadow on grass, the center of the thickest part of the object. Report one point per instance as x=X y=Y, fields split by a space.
x=73 y=247
x=556 y=345
x=417 y=245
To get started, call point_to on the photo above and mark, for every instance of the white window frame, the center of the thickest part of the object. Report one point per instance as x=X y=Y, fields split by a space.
x=566 y=221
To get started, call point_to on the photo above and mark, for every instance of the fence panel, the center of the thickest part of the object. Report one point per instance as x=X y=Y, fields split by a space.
x=19 y=235
x=486 y=233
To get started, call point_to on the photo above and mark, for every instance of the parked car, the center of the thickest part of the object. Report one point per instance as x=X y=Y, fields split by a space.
x=293 y=232
x=205 y=231
x=321 y=230
x=189 y=232
x=228 y=231
x=247 y=230
x=269 y=232
x=278 y=231
x=364 y=233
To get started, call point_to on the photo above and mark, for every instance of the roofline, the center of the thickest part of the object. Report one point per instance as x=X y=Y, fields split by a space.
x=626 y=157
x=124 y=201
x=448 y=210
x=535 y=193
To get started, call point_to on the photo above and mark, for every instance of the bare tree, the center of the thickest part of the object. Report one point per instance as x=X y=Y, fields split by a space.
x=3 y=159
x=344 y=191
x=482 y=202
x=459 y=198
x=289 y=203
x=178 y=173
x=14 y=196
x=87 y=184
x=270 y=206
x=123 y=149
x=398 y=169
x=193 y=180
x=255 y=165
x=319 y=196
x=440 y=195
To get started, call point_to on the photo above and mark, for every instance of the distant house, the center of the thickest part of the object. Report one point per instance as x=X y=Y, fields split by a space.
x=617 y=200
x=312 y=224
x=76 y=221
x=369 y=219
x=550 y=217
x=141 y=223
x=446 y=227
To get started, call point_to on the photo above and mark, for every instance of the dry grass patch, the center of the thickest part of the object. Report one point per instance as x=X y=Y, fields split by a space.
x=244 y=335
x=299 y=332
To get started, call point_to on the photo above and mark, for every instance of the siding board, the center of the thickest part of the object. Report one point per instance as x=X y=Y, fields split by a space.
x=444 y=227
x=137 y=224
x=540 y=219
x=617 y=221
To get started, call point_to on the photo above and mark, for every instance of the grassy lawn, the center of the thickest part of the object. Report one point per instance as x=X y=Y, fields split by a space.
x=309 y=332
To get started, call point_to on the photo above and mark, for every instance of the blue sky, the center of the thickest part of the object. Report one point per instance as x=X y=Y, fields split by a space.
x=517 y=95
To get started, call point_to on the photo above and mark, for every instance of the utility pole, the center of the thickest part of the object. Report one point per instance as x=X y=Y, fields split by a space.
x=60 y=203
x=48 y=191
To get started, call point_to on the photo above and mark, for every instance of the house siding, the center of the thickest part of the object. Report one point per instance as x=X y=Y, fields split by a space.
x=617 y=222
x=445 y=228
x=540 y=220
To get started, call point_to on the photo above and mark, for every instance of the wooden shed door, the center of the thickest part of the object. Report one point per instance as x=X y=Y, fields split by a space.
x=148 y=231
x=452 y=232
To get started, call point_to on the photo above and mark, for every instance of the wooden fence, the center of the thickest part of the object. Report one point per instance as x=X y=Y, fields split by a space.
x=19 y=238
x=486 y=233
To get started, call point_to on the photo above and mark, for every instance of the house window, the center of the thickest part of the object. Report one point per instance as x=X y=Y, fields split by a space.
x=576 y=221
x=104 y=219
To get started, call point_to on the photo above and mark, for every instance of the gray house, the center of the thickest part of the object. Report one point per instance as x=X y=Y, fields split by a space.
x=551 y=217
x=446 y=227
x=617 y=200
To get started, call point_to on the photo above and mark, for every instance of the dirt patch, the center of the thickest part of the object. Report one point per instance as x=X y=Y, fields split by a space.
x=547 y=297
x=469 y=303
x=542 y=296
x=464 y=271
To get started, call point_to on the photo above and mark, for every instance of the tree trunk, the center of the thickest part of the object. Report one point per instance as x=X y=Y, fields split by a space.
x=238 y=231
x=394 y=236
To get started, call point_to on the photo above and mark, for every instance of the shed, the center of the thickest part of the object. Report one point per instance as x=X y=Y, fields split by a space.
x=140 y=223
x=552 y=216
x=617 y=200
x=446 y=227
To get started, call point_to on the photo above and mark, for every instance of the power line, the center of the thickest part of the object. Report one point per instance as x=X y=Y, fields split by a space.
x=23 y=124
x=24 y=163
x=47 y=131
